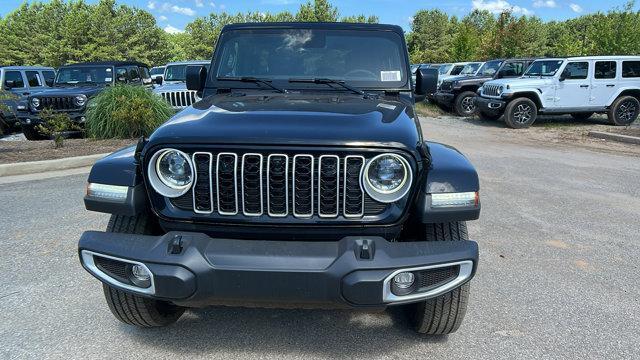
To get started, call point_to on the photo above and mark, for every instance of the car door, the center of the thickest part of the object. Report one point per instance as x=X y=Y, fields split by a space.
x=604 y=82
x=134 y=76
x=35 y=81
x=14 y=81
x=573 y=86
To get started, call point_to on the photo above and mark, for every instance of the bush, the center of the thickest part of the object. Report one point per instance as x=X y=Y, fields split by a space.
x=126 y=112
x=5 y=96
x=54 y=125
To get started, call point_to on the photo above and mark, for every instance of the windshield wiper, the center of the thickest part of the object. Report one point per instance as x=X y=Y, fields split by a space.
x=341 y=83
x=254 y=80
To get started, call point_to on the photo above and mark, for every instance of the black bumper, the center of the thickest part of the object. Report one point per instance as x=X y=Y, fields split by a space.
x=490 y=106
x=210 y=271
x=445 y=98
x=33 y=119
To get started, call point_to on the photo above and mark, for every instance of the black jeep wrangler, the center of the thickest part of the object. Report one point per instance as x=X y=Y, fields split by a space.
x=458 y=93
x=74 y=85
x=301 y=179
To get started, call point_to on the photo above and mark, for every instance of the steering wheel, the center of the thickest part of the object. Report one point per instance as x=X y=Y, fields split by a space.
x=366 y=73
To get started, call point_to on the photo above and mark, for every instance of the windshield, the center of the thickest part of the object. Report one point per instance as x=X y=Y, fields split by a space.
x=371 y=59
x=157 y=71
x=444 y=69
x=489 y=68
x=175 y=73
x=470 y=69
x=544 y=68
x=85 y=75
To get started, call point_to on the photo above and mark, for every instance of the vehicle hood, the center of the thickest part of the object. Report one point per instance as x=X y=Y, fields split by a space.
x=170 y=86
x=466 y=79
x=293 y=120
x=522 y=82
x=88 y=91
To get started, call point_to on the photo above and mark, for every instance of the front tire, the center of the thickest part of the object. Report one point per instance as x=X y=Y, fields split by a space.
x=464 y=104
x=624 y=111
x=441 y=315
x=520 y=113
x=133 y=309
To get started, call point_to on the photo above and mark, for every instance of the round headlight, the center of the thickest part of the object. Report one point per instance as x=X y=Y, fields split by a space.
x=500 y=90
x=81 y=100
x=170 y=172
x=387 y=177
x=35 y=102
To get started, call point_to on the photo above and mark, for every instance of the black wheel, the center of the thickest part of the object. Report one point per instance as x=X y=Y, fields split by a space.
x=444 y=314
x=133 y=309
x=624 y=111
x=488 y=117
x=520 y=113
x=582 y=116
x=30 y=133
x=464 y=104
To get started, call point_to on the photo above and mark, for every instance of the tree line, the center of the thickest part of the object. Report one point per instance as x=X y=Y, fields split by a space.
x=60 y=32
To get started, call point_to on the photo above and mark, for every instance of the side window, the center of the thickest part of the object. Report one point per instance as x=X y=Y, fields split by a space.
x=605 y=70
x=146 y=76
x=134 y=74
x=49 y=77
x=630 y=69
x=33 y=78
x=576 y=71
x=16 y=77
x=121 y=75
x=512 y=69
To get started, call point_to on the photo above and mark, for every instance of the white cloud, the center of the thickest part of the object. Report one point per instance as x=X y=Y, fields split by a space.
x=498 y=6
x=575 y=7
x=545 y=4
x=222 y=6
x=199 y=3
x=183 y=10
x=151 y=5
x=172 y=30
x=213 y=5
x=162 y=18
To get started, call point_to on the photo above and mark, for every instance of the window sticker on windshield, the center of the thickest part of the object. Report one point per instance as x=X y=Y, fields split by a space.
x=390 y=75
x=108 y=69
x=387 y=106
x=107 y=79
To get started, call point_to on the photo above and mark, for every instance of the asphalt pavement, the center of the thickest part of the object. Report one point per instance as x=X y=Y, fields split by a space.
x=559 y=242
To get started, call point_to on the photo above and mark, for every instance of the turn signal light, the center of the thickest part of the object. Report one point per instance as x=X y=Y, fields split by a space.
x=464 y=199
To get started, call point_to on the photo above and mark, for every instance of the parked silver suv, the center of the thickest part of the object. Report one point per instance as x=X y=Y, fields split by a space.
x=173 y=86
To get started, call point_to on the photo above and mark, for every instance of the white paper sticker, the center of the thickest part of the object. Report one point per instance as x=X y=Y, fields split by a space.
x=390 y=75
x=107 y=79
x=108 y=69
x=387 y=106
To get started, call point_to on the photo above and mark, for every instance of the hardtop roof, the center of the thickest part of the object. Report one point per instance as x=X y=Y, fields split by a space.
x=17 y=67
x=107 y=63
x=315 y=25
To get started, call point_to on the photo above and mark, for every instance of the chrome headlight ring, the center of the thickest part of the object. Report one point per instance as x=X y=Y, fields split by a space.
x=80 y=100
x=162 y=186
x=35 y=102
x=387 y=196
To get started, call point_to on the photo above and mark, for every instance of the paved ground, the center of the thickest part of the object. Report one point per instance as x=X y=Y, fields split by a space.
x=559 y=238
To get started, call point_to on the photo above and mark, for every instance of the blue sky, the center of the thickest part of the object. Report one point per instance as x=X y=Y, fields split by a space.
x=173 y=15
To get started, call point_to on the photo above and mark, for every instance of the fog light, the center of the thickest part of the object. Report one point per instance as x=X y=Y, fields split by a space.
x=28 y=121
x=83 y=119
x=139 y=275
x=404 y=280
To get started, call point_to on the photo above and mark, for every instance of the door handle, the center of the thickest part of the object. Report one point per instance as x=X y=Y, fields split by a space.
x=611 y=85
x=584 y=86
x=25 y=93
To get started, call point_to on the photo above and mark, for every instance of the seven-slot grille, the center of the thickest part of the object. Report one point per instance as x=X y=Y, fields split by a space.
x=278 y=185
x=57 y=102
x=179 y=99
x=491 y=90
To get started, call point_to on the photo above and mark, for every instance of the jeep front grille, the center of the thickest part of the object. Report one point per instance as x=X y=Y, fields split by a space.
x=491 y=90
x=445 y=86
x=58 y=103
x=179 y=99
x=278 y=185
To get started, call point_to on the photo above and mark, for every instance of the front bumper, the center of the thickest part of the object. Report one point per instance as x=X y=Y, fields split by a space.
x=444 y=98
x=489 y=105
x=33 y=119
x=354 y=272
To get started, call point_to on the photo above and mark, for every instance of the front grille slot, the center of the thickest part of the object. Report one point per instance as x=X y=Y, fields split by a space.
x=278 y=185
x=226 y=169
x=490 y=90
x=303 y=186
x=179 y=99
x=57 y=102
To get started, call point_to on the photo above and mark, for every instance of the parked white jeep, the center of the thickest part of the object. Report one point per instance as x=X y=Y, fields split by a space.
x=580 y=86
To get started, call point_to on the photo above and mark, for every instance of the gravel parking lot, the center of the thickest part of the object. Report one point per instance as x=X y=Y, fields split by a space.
x=557 y=278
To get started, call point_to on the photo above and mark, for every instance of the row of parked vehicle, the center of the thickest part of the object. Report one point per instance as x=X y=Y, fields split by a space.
x=70 y=87
x=522 y=89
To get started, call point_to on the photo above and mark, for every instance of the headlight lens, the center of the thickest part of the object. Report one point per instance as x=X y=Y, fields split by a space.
x=170 y=172
x=387 y=177
x=35 y=102
x=81 y=100
x=500 y=90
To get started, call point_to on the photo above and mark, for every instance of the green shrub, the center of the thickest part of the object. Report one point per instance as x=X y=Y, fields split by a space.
x=126 y=112
x=55 y=124
x=5 y=96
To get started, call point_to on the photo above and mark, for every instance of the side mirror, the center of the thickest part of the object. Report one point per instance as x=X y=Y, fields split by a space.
x=158 y=80
x=196 y=77
x=499 y=75
x=563 y=77
x=8 y=84
x=426 y=81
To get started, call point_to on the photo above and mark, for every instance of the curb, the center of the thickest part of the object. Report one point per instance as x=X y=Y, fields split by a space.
x=32 y=167
x=615 y=137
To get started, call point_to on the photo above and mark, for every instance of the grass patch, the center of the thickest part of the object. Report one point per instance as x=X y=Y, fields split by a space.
x=126 y=112
x=424 y=108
